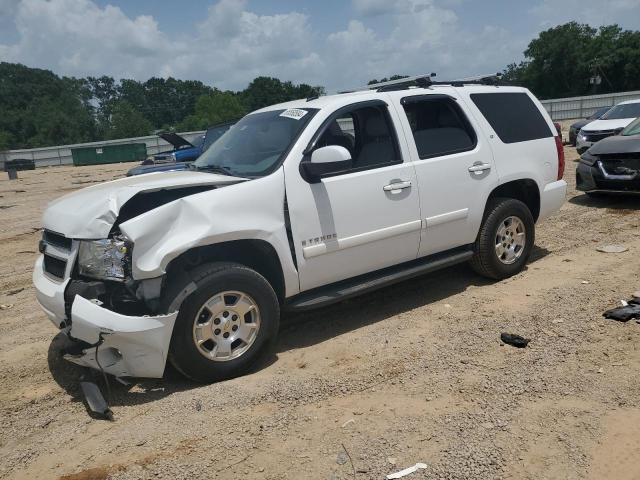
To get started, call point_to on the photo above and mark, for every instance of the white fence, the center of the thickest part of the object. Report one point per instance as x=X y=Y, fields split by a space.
x=582 y=107
x=61 y=154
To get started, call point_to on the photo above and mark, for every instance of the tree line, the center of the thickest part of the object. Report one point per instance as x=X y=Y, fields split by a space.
x=40 y=108
x=575 y=59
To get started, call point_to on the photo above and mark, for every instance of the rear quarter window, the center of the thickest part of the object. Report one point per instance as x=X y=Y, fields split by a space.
x=513 y=116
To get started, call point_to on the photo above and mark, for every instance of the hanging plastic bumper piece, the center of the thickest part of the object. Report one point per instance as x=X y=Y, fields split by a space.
x=132 y=346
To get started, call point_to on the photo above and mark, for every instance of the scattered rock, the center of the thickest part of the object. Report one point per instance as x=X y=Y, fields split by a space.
x=351 y=420
x=392 y=460
x=612 y=249
x=6 y=306
x=514 y=340
x=342 y=458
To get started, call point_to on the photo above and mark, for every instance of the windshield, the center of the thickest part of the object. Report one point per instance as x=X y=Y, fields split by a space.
x=628 y=110
x=598 y=113
x=633 y=128
x=254 y=146
x=214 y=133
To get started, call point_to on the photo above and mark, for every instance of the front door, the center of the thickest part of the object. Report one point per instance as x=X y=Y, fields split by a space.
x=362 y=219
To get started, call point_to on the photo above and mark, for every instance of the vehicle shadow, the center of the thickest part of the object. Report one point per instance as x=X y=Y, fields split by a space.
x=304 y=329
x=614 y=201
x=296 y=330
x=138 y=391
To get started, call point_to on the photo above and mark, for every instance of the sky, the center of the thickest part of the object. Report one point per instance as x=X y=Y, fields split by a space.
x=339 y=44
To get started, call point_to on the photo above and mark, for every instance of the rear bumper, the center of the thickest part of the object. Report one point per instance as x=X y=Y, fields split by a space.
x=592 y=179
x=132 y=346
x=552 y=198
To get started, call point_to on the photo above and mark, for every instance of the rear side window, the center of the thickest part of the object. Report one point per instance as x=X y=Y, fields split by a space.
x=513 y=116
x=438 y=125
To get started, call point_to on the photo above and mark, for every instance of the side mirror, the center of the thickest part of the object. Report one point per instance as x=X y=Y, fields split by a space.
x=325 y=161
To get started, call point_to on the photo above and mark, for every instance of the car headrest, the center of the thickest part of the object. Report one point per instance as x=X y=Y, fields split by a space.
x=446 y=118
x=376 y=126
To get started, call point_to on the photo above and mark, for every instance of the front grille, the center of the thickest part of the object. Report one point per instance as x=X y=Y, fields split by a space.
x=56 y=240
x=58 y=252
x=629 y=160
x=596 y=136
x=54 y=266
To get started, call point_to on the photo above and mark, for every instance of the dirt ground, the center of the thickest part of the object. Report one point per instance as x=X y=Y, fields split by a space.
x=412 y=373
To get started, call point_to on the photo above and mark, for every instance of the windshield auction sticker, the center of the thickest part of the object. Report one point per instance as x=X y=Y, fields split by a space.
x=295 y=113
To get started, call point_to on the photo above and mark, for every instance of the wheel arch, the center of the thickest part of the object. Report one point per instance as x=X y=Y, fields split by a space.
x=526 y=190
x=259 y=255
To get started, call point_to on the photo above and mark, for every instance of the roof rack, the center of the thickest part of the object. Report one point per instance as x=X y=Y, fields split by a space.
x=426 y=80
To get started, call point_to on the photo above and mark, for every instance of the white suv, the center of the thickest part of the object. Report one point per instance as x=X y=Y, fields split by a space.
x=297 y=206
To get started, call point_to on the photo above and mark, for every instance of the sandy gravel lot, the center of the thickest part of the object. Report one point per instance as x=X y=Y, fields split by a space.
x=413 y=373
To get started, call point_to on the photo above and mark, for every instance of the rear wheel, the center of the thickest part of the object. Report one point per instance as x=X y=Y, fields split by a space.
x=225 y=325
x=505 y=239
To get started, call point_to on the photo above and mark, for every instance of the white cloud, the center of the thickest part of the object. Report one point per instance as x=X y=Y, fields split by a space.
x=79 y=38
x=594 y=12
x=232 y=45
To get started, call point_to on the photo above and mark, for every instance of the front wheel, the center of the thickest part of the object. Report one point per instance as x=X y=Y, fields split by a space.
x=505 y=239
x=225 y=325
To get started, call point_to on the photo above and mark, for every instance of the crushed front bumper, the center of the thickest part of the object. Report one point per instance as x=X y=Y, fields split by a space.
x=132 y=346
x=595 y=178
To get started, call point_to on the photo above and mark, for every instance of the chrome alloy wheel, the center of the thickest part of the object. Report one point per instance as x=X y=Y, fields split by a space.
x=511 y=238
x=226 y=326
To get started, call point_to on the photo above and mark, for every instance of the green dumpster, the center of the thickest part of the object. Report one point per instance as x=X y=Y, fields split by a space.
x=128 y=152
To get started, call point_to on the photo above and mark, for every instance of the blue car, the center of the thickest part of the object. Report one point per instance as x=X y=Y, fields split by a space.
x=184 y=151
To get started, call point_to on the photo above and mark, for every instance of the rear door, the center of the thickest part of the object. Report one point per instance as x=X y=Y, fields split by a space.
x=454 y=165
x=519 y=130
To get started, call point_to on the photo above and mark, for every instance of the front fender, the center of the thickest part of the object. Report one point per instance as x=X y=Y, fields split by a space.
x=249 y=210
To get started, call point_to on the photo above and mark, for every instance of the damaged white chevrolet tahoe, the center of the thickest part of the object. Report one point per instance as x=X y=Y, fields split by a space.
x=298 y=205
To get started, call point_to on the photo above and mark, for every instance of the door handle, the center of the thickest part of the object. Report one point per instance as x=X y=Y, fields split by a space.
x=397 y=187
x=478 y=168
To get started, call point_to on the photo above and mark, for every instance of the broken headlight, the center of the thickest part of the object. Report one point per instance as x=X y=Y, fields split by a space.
x=107 y=259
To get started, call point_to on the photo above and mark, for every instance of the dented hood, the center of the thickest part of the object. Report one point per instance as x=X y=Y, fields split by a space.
x=91 y=212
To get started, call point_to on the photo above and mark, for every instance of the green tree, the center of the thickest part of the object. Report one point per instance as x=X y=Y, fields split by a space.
x=264 y=91
x=212 y=109
x=127 y=122
x=39 y=108
x=561 y=61
x=385 y=79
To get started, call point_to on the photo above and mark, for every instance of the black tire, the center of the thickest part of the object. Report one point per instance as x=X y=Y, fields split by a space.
x=485 y=261
x=210 y=279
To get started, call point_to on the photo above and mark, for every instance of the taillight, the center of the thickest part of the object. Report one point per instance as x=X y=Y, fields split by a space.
x=560 y=150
